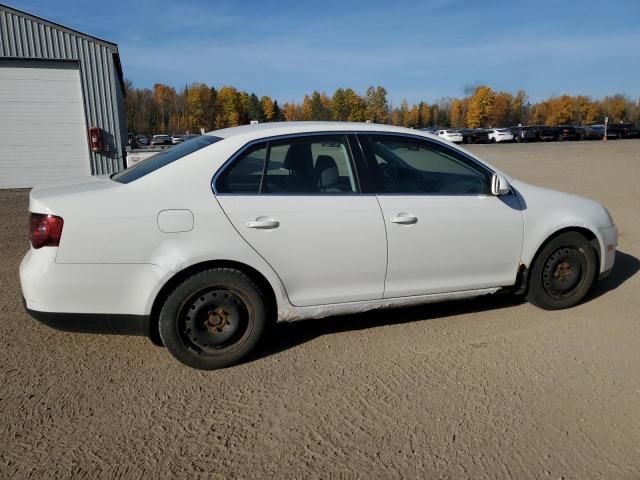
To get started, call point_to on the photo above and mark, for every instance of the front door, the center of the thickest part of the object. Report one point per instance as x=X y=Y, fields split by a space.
x=297 y=202
x=445 y=231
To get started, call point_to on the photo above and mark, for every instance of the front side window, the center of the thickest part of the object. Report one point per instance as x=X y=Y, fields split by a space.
x=418 y=167
x=309 y=165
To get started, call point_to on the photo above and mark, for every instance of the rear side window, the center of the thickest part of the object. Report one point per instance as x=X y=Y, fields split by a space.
x=309 y=165
x=163 y=158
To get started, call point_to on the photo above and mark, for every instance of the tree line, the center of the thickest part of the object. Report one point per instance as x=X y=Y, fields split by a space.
x=163 y=109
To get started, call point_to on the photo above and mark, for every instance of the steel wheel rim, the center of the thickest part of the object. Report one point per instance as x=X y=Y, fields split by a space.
x=563 y=272
x=215 y=321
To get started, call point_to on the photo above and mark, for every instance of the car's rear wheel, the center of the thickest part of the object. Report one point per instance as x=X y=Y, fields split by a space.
x=213 y=319
x=563 y=272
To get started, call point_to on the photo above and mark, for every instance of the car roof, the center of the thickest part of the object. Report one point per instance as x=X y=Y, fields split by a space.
x=271 y=129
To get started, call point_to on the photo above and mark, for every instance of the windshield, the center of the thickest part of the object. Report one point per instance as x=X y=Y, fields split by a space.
x=163 y=158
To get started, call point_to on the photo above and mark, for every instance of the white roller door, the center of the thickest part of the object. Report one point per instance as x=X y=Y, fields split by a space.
x=43 y=133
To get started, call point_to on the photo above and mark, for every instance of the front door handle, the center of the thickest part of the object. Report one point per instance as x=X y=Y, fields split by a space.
x=264 y=223
x=404 y=219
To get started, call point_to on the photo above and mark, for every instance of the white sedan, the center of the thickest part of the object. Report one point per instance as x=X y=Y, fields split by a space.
x=204 y=245
x=497 y=135
x=452 y=135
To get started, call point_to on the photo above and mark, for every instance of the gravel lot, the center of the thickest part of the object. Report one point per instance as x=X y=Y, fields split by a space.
x=481 y=389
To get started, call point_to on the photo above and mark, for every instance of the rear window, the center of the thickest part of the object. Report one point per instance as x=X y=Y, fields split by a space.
x=163 y=158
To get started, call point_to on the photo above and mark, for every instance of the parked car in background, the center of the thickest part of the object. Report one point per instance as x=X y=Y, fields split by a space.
x=428 y=130
x=548 y=134
x=175 y=139
x=611 y=134
x=497 y=135
x=588 y=133
x=624 y=130
x=452 y=135
x=189 y=136
x=245 y=236
x=161 y=140
x=567 y=132
x=525 y=134
x=474 y=135
x=142 y=140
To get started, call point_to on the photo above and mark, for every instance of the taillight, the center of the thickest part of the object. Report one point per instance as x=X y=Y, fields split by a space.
x=44 y=230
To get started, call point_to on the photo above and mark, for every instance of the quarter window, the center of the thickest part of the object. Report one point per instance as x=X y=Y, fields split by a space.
x=309 y=165
x=411 y=166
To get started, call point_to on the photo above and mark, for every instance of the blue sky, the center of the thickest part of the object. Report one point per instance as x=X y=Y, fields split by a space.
x=416 y=50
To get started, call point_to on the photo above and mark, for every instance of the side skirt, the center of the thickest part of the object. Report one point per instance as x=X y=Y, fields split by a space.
x=293 y=314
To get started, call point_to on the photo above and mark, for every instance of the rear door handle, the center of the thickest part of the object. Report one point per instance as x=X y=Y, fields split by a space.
x=404 y=219
x=262 y=223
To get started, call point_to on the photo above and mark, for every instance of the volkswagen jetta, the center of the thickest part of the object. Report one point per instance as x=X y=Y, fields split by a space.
x=202 y=246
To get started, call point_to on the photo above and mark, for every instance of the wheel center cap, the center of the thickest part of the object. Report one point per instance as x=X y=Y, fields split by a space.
x=217 y=319
x=562 y=271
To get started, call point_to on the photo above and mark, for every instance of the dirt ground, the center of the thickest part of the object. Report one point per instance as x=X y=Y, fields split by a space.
x=481 y=389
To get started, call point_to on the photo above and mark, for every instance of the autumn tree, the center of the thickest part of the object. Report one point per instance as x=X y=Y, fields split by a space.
x=481 y=107
x=519 y=109
x=356 y=106
x=457 y=115
x=292 y=111
x=231 y=111
x=539 y=113
x=377 y=106
x=164 y=97
x=269 y=109
x=501 y=111
x=425 y=114
x=412 y=119
x=340 y=110
x=560 y=110
x=316 y=106
x=198 y=96
x=615 y=108
x=198 y=106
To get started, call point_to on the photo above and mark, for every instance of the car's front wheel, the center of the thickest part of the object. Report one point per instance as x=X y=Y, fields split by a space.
x=213 y=319
x=563 y=272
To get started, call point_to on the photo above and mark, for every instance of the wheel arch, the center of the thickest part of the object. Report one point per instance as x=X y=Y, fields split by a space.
x=180 y=276
x=587 y=233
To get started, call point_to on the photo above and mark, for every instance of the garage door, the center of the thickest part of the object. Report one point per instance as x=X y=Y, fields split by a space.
x=43 y=133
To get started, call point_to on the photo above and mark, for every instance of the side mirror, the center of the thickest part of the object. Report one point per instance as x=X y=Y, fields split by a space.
x=499 y=185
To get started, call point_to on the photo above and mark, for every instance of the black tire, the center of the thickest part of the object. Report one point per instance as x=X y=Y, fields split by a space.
x=493 y=140
x=563 y=272
x=213 y=319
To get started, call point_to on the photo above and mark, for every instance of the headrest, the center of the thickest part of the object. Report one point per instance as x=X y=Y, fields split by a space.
x=298 y=158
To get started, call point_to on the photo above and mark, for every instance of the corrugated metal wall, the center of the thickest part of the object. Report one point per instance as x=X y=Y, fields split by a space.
x=23 y=36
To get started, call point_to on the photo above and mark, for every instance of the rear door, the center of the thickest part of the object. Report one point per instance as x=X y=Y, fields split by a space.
x=297 y=202
x=445 y=232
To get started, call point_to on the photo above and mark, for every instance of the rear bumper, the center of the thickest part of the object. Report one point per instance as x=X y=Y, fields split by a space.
x=93 y=323
x=103 y=289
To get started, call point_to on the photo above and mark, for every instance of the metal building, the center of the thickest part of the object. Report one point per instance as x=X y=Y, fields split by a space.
x=57 y=85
